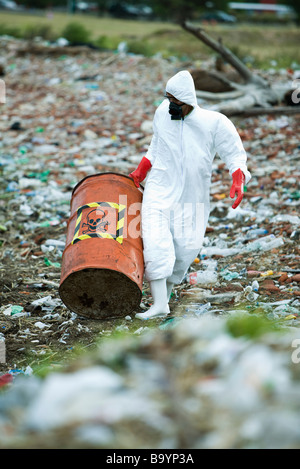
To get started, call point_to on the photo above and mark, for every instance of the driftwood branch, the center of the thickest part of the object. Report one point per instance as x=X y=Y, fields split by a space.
x=219 y=96
x=221 y=78
x=252 y=102
x=258 y=111
x=227 y=54
x=253 y=97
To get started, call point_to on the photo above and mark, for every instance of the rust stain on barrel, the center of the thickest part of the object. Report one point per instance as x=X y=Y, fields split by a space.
x=102 y=264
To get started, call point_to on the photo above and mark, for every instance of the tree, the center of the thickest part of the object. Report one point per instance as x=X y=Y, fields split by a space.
x=255 y=95
x=102 y=6
x=296 y=6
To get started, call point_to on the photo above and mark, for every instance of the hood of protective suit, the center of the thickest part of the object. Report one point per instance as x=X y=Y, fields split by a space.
x=182 y=87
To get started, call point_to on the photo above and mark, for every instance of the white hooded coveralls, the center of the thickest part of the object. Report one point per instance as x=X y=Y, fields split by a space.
x=176 y=198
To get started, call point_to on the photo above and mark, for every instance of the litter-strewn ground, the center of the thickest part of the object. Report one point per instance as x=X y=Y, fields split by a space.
x=192 y=386
x=188 y=381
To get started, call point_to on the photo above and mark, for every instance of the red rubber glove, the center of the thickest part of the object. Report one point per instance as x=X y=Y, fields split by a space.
x=237 y=188
x=141 y=171
x=5 y=379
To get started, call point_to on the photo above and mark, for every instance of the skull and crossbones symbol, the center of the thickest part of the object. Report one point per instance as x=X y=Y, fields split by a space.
x=95 y=221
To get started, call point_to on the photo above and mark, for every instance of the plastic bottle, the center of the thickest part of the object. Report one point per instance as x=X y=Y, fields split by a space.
x=252 y=296
x=202 y=309
x=271 y=243
x=202 y=277
x=256 y=232
x=55 y=243
x=209 y=264
x=264 y=244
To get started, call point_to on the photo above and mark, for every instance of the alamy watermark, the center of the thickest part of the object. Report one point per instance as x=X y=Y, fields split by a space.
x=2 y=350
x=296 y=353
x=112 y=220
x=2 y=92
x=296 y=92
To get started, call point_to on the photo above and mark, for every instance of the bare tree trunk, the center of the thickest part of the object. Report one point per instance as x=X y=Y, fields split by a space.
x=227 y=55
x=255 y=96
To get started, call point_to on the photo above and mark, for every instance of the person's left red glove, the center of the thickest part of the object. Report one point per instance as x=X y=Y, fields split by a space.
x=237 y=188
x=141 y=171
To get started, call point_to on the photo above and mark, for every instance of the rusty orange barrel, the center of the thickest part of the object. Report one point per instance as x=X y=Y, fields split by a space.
x=102 y=264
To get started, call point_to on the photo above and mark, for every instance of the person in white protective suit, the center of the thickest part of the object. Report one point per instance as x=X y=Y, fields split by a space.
x=175 y=206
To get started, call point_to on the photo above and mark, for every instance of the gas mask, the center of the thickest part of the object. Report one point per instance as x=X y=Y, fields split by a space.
x=176 y=111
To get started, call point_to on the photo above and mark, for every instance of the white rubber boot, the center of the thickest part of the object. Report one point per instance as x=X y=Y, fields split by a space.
x=160 y=307
x=169 y=289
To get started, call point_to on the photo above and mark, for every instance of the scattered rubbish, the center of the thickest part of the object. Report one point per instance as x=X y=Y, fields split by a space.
x=228 y=275
x=14 y=311
x=47 y=304
x=252 y=296
x=223 y=370
x=141 y=329
x=223 y=298
x=206 y=277
x=202 y=309
x=253 y=233
x=265 y=244
x=248 y=266
x=52 y=264
x=169 y=323
x=41 y=325
x=267 y=273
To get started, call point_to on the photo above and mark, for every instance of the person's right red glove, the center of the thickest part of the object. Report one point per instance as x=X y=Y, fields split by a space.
x=141 y=171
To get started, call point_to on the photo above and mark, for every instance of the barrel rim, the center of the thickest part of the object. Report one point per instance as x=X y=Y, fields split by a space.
x=103 y=174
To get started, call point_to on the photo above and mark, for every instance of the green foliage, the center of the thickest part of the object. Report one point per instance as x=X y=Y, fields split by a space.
x=107 y=43
x=295 y=5
x=10 y=31
x=258 y=47
x=141 y=47
x=250 y=325
x=135 y=46
x=36 y=30
x=76 y=32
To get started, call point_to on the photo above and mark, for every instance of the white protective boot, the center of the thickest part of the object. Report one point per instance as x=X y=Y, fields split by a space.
x=169 y=289
x=160 y=307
